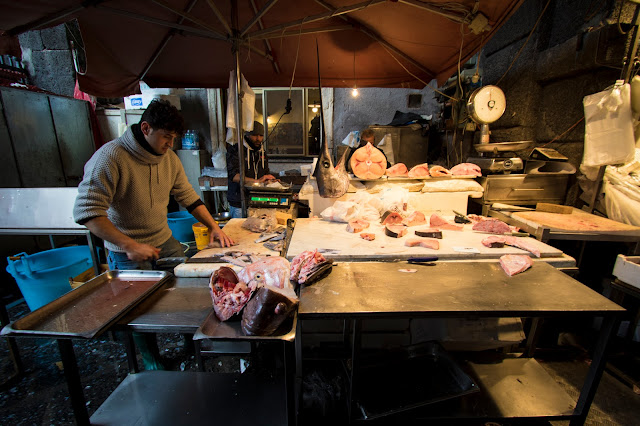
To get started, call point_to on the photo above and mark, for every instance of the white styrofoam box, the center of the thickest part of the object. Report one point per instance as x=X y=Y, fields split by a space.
x=145 y=89
x=627 y=269
x=134 y=102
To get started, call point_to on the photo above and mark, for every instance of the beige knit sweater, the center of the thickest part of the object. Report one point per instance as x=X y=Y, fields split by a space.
x=131 y=187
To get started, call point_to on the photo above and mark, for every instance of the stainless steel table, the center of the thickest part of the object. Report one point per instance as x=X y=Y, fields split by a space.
x=182 y=305
x=357 y=291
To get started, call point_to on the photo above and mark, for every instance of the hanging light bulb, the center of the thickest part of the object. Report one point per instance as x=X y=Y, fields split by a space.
x=314 y=109
x=354 y=92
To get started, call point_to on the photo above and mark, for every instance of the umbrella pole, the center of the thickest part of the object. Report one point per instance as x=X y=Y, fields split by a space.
x=238 y=103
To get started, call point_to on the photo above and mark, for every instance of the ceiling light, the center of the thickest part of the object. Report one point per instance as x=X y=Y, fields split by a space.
x=354 y=92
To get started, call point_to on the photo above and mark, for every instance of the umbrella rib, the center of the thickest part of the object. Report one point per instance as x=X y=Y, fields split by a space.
x=185 y=28
x=257 y=16
x=219 y=15
x=187 y=16
x=164 y=43
x=368 y=31
x=267 y=43
x=439 y=11
x=45 y=20
x=327 y=15
x=307 y=31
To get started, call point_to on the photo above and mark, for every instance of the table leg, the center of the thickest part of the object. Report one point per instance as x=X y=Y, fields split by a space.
x=355 y=353
x=72 y=375
x=130 y=348
x=532 y=337
x=299 y=375
x=289 y=357
x=14 y=354
x=198 y=352
x=594 y=375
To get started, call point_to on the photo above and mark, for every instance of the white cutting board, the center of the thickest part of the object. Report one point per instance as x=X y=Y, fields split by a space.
x=245 y=242
x=311 y=234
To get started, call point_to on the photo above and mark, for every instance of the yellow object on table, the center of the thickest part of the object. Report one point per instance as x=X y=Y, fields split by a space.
x=201 y=233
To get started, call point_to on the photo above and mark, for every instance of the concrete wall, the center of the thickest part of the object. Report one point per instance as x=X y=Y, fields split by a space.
x=573 y=52
x=375 y=106
x=48 y=60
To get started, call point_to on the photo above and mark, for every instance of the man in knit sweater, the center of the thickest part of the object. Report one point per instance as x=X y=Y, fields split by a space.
x=124 y=194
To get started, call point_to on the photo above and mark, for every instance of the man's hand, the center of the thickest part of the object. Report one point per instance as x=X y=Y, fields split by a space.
x=141 y=252
x=266 y=178
x=218 y=234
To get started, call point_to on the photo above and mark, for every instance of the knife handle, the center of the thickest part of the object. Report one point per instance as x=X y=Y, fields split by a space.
x=422 y=259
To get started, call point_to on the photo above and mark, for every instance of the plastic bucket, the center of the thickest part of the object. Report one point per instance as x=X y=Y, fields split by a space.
x=44 y=276
x=202 y=235
x=180 y=225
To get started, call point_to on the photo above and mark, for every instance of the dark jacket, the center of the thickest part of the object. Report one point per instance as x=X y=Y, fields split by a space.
x=254 y=169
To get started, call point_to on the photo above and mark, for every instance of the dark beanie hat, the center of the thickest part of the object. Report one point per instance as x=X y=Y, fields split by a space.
x=258 y=129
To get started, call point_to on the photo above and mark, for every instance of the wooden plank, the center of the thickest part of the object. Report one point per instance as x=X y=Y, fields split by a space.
x=34 y=140
x=578 y=220
x=75 y=139
x=310 y=234
x=9 y=176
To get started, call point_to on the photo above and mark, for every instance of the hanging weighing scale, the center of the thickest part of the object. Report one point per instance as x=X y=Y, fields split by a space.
x=486 y=105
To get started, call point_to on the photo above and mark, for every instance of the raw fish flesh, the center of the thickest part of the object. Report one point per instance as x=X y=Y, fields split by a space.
x=357 y=225
x=466 y=169
x=429 y=233
x=368 y=236
x=419 y=171
x=423 y=242
x=395 y=231
x=397 y=170
x=415 y=218
x=273 y=271
x=391 y=218
x=514 y=264
x=493 y=226
x=368 y=162
x=437 y=171
x=496 y=241
x=308 y=266
x=228 y=293
x=437 y=221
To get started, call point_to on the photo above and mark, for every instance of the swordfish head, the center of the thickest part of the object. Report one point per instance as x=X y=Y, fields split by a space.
x=333 y=182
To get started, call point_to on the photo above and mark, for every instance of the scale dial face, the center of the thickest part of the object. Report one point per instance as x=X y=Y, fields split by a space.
x=486 y=104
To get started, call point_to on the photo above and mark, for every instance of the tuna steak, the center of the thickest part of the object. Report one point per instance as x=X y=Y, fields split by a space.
x=514 y=264
x=493 y=226
x=397 y=170
x=267 y=310
x=357 y=225
x=466 y=169
x=368 y=162
x=332 y=182
x=419 y=171
x=423 y=242
x=436 y=171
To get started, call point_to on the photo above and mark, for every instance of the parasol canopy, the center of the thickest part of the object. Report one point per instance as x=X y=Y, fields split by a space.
x=190 y=43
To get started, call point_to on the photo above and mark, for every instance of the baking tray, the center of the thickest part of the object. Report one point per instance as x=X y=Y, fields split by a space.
x=418 y=375
x=91 y=308
x=213 y=328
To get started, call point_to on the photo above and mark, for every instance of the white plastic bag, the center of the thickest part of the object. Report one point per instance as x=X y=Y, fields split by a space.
x=387 y=147
x=219 y=160
x=394 y=199
x=248 y=106
x=352 y=139
x=608 y=135
x=341 y=211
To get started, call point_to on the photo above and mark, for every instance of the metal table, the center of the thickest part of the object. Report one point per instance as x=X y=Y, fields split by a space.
x=357 y=291
x=181 y=306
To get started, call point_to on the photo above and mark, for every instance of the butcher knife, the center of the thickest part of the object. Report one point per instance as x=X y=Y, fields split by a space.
x=428 y=261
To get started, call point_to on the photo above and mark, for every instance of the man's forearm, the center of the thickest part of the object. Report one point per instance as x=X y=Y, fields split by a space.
x=103 y=228
x=247 y=179
x=202 y=214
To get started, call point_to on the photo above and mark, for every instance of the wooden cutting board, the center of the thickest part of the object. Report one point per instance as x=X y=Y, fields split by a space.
x=245 y=242
x=310 y=234
x=578 y=220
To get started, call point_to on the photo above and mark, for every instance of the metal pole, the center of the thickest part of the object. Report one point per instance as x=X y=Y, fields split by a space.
x=236 y=52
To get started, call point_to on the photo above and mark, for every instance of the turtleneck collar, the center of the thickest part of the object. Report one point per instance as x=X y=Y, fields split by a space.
x=136 y=148
x=137 y=133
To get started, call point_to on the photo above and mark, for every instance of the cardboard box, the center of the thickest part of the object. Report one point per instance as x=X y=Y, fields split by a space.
x=208 y=181
x=87 y=275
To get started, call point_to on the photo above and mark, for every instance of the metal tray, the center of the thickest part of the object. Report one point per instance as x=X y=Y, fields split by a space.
x=419 y=375
x=503 y=146
x=263 y=188
x=91 y=308
x=213 y=328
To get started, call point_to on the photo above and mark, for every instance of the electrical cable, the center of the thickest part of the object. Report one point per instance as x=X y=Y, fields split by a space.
x=525 y=42
x=416 y=77
x=564 y=133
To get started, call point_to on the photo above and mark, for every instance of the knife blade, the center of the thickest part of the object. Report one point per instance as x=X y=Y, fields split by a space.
x=205 y=260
